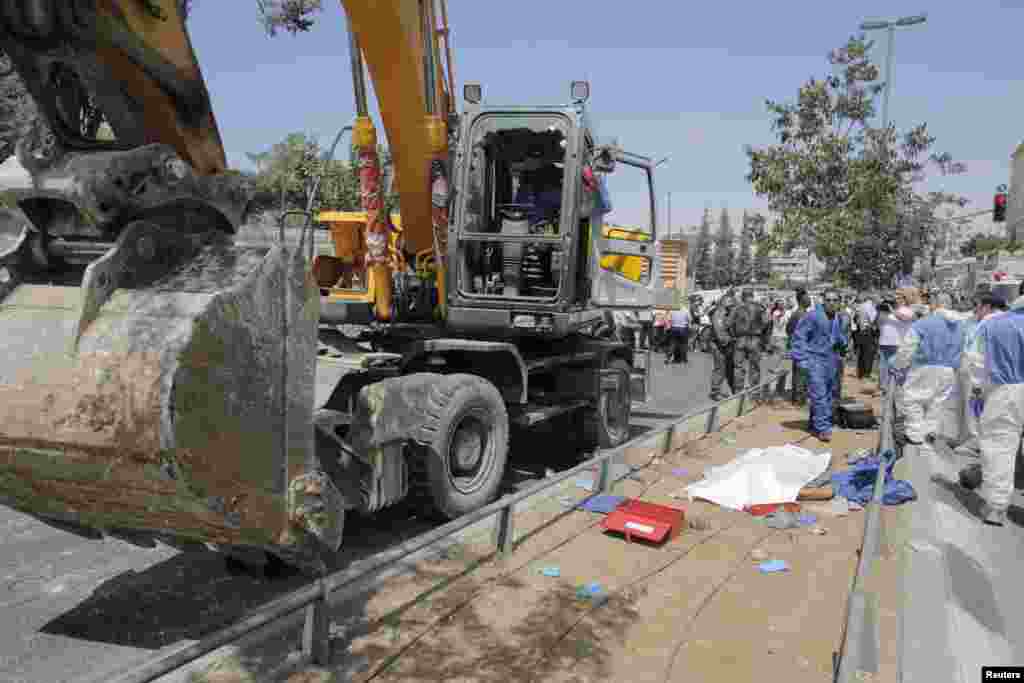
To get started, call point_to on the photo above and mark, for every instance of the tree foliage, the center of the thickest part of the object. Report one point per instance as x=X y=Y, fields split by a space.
x=763 y=249
x=725 y=258
x=286 y=171
x=980 y=245
x=845 y=186
x=703 y=266
x=745 y=256
x=293 y=16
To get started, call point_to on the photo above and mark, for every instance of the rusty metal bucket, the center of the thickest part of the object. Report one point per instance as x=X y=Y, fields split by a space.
x=168 y=397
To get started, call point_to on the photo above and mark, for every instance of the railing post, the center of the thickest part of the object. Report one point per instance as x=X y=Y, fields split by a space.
x=743 y=402
x=503 y=532
x=712 y=425
x=603 y=475
x=670 y=434
x=316 y=634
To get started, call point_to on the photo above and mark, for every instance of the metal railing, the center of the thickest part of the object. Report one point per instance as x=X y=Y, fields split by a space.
x=861 y=646
x=314 y=598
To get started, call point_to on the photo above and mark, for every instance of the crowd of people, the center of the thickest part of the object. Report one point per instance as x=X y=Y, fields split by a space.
x=954 y=374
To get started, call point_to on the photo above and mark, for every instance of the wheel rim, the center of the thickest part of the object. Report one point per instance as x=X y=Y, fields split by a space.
x=469 y=458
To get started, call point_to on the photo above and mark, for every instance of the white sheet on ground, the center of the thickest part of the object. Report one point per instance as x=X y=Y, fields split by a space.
x=761 y=475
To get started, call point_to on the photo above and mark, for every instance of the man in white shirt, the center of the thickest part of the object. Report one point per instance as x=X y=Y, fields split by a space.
x=865 y=336
x=679 y=336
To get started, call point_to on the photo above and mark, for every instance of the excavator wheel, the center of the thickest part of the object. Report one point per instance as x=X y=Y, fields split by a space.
x=465 y=446
x=607 y=425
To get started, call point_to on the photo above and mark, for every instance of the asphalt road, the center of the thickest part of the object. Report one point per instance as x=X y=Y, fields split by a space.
x=71 y=607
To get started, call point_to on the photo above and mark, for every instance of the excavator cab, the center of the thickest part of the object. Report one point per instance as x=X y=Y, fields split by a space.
x=529 y=247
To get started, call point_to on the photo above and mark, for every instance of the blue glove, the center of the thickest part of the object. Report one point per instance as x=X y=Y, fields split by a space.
x=977 y=407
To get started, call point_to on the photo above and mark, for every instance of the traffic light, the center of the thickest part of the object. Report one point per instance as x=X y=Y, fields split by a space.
x=999 y=208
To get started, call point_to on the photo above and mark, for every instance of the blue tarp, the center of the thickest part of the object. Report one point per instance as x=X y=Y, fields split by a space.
x=858 y=482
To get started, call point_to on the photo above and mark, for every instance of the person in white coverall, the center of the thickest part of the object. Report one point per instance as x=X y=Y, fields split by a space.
x=997 y=371
x=988 y=306
x=930 y=399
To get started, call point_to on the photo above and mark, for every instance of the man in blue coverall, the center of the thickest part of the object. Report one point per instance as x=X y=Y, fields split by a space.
x=819 y=341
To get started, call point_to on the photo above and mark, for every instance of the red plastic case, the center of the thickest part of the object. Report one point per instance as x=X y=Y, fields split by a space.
x=649 y=521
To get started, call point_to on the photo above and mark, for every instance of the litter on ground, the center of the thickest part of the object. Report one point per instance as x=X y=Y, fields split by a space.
x=590 y=591
x=603 y=504
x=772 y=566
x=551 y=571
x=781 y=519
x=679 y=472
x=586 y=484
x=857 y=484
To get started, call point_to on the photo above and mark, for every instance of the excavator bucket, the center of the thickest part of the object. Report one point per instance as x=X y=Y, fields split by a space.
x=168 y=397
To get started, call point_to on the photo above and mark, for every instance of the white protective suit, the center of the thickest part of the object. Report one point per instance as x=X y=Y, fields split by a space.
x=930 y=398
x=997 y=367
x=969 y=413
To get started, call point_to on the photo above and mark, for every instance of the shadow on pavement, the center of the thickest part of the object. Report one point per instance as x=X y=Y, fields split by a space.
x=184 y=598
x=556 y=629
x=973 y=591
x=798 y=425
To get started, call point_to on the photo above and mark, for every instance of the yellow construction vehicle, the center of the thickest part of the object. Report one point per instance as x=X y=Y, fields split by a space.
x=162 y=382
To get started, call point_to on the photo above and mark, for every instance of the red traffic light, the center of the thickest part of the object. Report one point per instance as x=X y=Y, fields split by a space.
x=999 y=208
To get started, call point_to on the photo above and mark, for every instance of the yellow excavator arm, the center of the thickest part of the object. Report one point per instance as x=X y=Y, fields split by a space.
x=390 y=36
x=399 y=43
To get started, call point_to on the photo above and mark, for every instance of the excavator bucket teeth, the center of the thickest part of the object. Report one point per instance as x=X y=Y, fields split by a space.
x=169 y=397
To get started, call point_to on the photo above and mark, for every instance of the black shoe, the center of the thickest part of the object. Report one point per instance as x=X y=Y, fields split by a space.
x=970 y=477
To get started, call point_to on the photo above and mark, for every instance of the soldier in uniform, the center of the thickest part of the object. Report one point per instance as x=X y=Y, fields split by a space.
x=721 y=348
x=750 y=328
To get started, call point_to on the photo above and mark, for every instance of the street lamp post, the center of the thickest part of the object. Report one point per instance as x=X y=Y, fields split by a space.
x=890 y=27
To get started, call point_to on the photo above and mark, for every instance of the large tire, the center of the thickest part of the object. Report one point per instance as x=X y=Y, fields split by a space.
x=607 y=425
x=466 y=445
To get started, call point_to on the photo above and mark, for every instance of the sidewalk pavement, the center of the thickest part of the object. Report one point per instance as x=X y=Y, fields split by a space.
x=963 y=605
x=695 y=609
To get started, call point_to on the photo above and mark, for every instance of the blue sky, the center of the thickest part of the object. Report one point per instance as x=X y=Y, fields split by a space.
x=667 y=78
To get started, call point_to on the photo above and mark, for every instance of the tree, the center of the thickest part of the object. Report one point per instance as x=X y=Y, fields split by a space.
x=745 y=257
x=842 y=187
x=980 y=245
x=763 y=251
x=703 y=266
x=293 y=16
x=725 y=260
x=286 y=171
